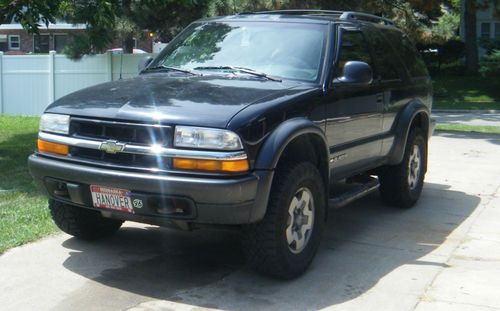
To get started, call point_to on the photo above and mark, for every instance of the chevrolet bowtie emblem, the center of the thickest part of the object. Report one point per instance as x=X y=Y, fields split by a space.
x=111 y=146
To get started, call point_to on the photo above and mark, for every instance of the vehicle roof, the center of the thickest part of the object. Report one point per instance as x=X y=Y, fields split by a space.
x=302 y=16
x=272 y=18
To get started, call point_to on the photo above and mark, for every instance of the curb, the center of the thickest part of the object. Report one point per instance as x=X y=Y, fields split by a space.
x=464 y=111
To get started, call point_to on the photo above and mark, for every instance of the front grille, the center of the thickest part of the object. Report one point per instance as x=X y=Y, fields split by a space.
x=124 y=132
x=129 y=133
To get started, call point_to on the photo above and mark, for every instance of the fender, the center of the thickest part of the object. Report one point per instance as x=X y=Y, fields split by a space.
x=275 y=144
x=271 y=152
x=402 y=129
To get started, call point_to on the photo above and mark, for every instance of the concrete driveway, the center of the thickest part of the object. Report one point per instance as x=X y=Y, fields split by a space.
x=467 y=118
x=444 y=254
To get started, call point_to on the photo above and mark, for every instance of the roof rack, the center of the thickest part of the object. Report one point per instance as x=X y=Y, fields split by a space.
x=366 y=17
x=302 y=12
x=343 y=15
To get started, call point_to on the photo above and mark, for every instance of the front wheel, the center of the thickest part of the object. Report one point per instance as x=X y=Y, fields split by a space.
x=82 y=223
x=284 y=243
x=401 y=185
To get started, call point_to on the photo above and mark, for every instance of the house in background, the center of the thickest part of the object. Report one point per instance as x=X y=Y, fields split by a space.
x=488 y=22
x=15 y=40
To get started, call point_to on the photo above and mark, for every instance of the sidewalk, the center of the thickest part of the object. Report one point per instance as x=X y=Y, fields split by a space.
x=473 y=118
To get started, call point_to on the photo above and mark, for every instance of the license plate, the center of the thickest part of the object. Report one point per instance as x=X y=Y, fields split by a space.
x=111 y=198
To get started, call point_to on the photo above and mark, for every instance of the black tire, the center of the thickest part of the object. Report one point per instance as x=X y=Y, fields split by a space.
x=395 y=186
x=82 y=223
x=265 y=243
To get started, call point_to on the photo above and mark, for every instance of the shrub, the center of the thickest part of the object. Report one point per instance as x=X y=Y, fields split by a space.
x=490 y=45
x=447 y=60
x=490 y=64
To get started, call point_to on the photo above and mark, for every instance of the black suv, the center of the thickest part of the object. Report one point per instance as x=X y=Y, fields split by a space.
x=259 y=121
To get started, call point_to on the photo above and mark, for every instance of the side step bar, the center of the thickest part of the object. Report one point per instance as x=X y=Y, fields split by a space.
x=358 y=192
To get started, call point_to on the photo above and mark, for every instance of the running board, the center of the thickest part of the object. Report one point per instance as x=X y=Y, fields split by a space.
x=354 y=194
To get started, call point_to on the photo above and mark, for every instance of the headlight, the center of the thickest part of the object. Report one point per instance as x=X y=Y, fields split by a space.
x=54 y=123
x=206 y=138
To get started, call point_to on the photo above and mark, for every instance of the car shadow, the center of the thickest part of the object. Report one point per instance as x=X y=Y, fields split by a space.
x=363 y=243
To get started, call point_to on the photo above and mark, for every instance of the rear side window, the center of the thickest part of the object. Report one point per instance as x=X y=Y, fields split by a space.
x=385 y=59
x=407 y=52
x=354 y=48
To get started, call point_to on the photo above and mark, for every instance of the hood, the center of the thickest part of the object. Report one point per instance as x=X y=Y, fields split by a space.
x=169 y=99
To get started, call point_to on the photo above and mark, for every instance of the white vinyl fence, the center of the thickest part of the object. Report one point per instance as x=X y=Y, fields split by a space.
x=28 y=83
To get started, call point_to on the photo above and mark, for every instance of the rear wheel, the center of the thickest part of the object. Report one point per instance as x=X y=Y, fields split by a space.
x=401 y=185
x=82 y=223
x=284 y=243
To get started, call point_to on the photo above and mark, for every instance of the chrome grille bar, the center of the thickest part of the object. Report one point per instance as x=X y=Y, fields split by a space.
x=119 y=123
x=152 y=150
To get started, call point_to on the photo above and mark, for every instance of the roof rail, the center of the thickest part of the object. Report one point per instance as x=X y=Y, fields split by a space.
x=366 y=17
x=300 y=12
x=343 y=15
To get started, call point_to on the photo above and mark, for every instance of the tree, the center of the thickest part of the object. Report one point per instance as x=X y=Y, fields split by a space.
x=167 y=17
x=106 y=19
x=29 y=13
x=109 y=19
x=413 y=16
x=100 y=19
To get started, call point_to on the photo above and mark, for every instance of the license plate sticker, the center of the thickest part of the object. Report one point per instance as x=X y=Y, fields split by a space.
x=112 y=198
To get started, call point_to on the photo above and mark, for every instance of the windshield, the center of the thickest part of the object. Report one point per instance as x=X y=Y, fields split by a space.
x=285 y=50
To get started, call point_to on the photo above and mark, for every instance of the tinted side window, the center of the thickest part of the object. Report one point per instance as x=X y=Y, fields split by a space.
x=354 y=48
x=385 y=59
x=408 y=53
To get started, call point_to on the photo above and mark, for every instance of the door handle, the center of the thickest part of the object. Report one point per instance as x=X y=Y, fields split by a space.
x=380 y=98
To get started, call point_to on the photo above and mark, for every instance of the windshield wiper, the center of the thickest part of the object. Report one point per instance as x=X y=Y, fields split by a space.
x=240 y=69
x=168 y=68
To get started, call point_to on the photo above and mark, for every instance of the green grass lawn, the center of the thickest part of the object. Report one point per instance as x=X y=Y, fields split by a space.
x=468 y=128
x=466 y=92
x=24 y=215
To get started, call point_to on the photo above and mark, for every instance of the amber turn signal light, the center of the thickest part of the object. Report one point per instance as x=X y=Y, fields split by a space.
x=53 y=148
x=230 y=166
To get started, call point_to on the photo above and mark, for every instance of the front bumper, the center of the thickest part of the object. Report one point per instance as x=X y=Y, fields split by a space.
x=208 y=200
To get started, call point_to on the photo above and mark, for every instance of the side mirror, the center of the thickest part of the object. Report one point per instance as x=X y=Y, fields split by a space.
x=359 y=73
x=143 y=63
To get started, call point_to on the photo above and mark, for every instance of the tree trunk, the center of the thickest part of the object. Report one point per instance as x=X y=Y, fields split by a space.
x=128 y=40
x=471 y=46
x=128 y=43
